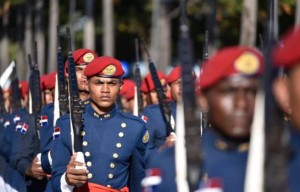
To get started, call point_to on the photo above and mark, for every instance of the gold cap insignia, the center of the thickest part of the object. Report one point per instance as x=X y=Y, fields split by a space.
x=88 y=57
x=247 y=63
x=109 y=70
x=163 y=82
x=146 y=137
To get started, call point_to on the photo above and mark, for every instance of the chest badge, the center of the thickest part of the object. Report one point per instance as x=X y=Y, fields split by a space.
x=146 y=137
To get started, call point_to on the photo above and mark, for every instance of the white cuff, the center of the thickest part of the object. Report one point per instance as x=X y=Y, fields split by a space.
x=50 y=159
x=64 y=187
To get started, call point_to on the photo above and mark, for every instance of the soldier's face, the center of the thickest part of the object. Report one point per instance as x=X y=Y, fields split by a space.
x=293 y=88
x=81 y=78
x=176 y=90
x=104 y=91
x=231 y=106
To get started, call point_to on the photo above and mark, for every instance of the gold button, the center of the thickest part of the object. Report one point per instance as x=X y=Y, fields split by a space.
x=108 y=186
x=115 y=155
x=119 y=145
x=112 y=165
x=82 y=133
x=123 y=125
x=121 y=134
x=110 y=176
x=89 y=163
x=87 y=154
x=90 y=175
x=85 y=143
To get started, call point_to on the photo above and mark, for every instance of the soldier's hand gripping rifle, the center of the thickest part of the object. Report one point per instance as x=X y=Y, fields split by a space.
x=62 y=91
x=137 y=77
x=16 y=95
x=76 y=107
x=187 y=148
x=163 y=104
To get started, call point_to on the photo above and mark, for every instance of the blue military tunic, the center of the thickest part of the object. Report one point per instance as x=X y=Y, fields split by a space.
x=114 y=146
x=156 y=127
x=294 y=160
x=220 y=162
x=47 y=116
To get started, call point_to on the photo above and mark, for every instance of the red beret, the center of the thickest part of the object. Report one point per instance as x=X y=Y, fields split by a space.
x=82 y=57
x=43 y=80
x=176 y=74
x=127 y=84
x=148 y=84
x=286 y=53
x=24 y=87
x=104 y=66
x=229 y=61
x=130 y=93
x=50 y=80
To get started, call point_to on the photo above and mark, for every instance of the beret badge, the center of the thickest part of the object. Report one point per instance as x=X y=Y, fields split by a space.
x=247 y=63
x=109 y=70
x=88 y=57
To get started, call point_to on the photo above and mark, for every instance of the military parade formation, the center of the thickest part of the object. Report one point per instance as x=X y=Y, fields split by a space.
x=84 y=127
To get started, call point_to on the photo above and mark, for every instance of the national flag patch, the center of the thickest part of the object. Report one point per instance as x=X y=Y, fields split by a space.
x=44 y=120
x=56 y=133
x=24 y=129
x=211 y=185
x=17 y=118
x=6 y=124
x=144 y=118
x=19 y=126
x=152 y=179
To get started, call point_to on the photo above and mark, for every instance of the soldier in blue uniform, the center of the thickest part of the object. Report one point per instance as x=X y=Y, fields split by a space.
x=228 y=83
x=154 y=118
x=286 y=90
x=114 y=143
x=81 y=58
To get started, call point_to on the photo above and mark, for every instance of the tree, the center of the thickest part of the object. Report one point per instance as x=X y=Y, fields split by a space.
x=89 y=28
x=160 y=36
x=53 y=23
x=108 y=28
x=4 y=41
x=248 y=23
x=39 y=33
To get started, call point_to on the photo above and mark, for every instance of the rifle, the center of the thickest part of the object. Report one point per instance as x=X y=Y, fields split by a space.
x=76 y=107
x=62 y=92
x=137 y=77
x=163 y=104
x=16 y=95
x=204 y=114
x=276 y=135
x=190 y=132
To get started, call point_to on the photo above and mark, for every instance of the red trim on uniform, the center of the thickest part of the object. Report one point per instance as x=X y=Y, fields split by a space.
x=93 y=187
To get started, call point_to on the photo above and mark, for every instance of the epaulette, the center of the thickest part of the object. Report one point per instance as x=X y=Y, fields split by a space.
x=132 y=117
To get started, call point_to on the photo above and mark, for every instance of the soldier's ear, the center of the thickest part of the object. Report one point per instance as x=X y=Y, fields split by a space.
x=281 y=94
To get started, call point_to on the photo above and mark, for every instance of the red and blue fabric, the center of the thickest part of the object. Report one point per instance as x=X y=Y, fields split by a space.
x=152 y=180
x=144 y=118
x=24 y=129
x=19 y=126
x=211 y=185
x=56 y=133
x=44 y=120
x=17 y=118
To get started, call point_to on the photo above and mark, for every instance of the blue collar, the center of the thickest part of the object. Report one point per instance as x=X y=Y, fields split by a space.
x=105 y=116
